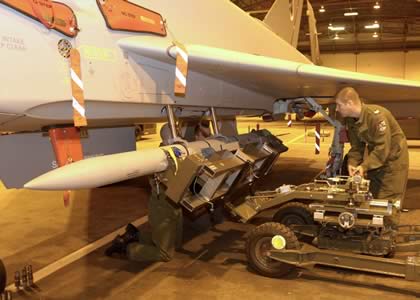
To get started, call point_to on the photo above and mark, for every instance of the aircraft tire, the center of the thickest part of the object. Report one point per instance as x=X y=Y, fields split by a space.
x=2 y=276
x=138 y=131
x=259 y=242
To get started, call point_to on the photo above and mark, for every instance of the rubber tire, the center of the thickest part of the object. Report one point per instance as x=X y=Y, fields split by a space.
x=3 y=276
x=261 y=237
x=138 y=132
x=294 y=213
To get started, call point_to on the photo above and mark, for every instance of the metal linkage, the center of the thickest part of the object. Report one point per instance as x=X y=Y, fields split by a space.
x=337 y=148
x=309 y=255
x=171 y=121
x=214 y=121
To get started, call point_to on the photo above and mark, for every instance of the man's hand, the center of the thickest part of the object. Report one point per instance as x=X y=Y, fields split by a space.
x=352 y=170
x=360 y=171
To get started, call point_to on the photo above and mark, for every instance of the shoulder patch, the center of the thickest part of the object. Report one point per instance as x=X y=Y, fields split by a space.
x=381 y=126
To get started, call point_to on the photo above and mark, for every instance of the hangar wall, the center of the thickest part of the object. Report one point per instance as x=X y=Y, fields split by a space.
x=405 y=65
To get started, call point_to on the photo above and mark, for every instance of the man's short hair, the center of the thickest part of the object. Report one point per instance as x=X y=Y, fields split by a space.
x=348 y=93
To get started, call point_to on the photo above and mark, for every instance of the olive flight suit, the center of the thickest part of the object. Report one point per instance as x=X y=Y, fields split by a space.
x=386 y=159
x=166 y=221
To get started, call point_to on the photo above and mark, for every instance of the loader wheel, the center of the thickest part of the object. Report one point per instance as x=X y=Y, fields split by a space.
x=259 y=243
x=294 y=213
x=2 y=277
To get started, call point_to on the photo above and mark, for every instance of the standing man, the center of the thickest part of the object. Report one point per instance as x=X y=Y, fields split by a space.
x=378 y=145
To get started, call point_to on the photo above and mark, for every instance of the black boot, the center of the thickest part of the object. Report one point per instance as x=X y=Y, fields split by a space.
x=130 y=229
x=120 y=242
x=117 y=246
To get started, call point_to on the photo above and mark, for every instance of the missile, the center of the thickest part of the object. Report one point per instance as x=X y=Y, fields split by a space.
x=102 y=170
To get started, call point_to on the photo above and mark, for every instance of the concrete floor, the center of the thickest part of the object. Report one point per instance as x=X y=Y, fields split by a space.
x=38 y=230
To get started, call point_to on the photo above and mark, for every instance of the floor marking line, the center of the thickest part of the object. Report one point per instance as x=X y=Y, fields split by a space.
x=295 y=139
x=204 y=252
x=72 y=257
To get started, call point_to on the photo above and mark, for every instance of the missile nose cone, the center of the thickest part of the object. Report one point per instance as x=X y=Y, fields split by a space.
x=99 y=171
x=34 y=184
x=73 y=176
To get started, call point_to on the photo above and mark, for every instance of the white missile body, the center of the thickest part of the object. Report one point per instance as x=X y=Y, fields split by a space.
x=103 y=170
x=99 y=171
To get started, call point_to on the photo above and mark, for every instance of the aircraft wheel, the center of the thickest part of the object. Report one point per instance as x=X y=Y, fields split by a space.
x=294 y=213
x=261 y=240
x=138 y=131
x=2 y=277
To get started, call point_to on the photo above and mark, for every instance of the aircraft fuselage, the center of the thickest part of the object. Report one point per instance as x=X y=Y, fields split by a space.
x=121 y=87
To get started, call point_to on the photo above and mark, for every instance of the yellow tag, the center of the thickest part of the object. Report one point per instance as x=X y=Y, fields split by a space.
x=278 y=242
x=173 y=156
x=147 y=20
x=97 y=53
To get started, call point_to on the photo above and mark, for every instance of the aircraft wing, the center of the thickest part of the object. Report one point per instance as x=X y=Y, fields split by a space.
x=276 y=77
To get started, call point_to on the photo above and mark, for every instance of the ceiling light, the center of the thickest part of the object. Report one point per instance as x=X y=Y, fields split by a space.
x=377 y=6
x=322 y=9
x=352 y=13
x=372 y=26
x=375 y=35
x=336 y=28
x=318 y=33
x=336 y=37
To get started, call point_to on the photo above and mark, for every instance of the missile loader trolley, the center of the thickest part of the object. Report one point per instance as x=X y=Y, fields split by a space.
x=344 y=225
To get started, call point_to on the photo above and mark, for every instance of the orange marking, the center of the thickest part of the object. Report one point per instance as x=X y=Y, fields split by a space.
x=39 y=7
x=66 y=145
x=67 y=149
x=181 y=70
x=53 y=15
x=79 y=116
x=66 y=198
x=124 y=15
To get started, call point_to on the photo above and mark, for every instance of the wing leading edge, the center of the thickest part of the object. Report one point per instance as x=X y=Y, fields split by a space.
x=281 y=79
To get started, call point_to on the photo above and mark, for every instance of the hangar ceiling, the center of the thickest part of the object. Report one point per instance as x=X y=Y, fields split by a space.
x=398 y=24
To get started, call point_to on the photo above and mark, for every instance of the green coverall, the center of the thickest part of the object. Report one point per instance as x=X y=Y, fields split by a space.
x=386 y=160
x=166 y=221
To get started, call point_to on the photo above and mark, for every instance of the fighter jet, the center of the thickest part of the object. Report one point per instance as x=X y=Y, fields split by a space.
x=75 y=73
x=69 y=65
